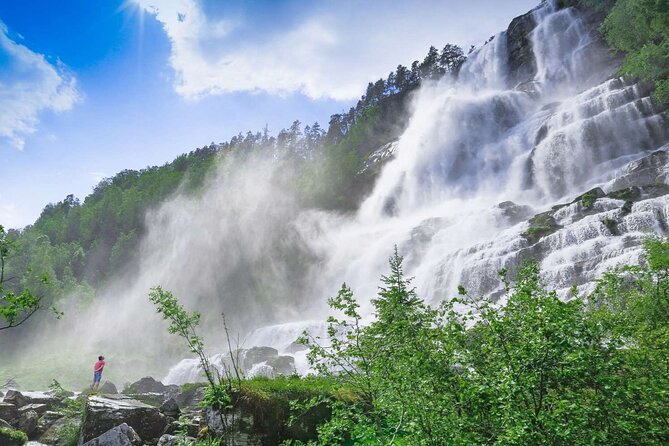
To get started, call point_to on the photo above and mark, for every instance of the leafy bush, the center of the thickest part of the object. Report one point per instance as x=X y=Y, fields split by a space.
x=11 y=437
x=536 y=370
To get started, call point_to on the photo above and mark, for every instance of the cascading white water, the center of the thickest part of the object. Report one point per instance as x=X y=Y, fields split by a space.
x=479 y=141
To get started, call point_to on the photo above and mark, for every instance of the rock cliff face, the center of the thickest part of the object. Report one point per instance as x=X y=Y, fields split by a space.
x=521 y=62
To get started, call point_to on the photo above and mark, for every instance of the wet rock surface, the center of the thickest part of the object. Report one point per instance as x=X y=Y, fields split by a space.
x=122 y=435
x=105 y=413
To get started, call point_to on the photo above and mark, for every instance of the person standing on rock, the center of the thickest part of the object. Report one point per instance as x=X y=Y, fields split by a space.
x=97 y=372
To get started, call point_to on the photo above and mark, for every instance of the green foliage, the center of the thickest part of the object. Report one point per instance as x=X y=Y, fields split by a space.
x=10 y=437
x=640 y=28
x=16 y=307
x=534 y=371
x=218 y=393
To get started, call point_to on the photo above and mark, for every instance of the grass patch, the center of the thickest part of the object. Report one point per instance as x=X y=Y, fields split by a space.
x=294 y=388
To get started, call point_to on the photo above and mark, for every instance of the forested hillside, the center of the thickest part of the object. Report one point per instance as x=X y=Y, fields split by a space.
x=79 y=244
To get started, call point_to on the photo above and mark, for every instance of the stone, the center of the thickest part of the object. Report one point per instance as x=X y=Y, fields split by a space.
x=121 y=435
x=190 y=397
x=108 y=388
x=9 y=412
x=514 y=213
x=170 y=408
x=50 y=401
x=172 y=440
x=47 y=420
x=106 y=412
x=146 y=385
x=60 y=432
x=16 y=398
x=282 y=365
x=39 y=408
x=295 y=347
x=256 y=355
x=28 y=422
x=4 y=424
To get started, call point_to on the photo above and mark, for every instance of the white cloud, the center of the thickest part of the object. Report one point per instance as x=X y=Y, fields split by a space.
x=29 y=84
x=328 y=50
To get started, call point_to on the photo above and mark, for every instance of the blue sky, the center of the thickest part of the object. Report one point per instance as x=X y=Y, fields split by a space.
x=89 y=88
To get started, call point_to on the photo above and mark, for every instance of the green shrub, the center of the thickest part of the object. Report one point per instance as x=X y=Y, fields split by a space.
x=11 y=437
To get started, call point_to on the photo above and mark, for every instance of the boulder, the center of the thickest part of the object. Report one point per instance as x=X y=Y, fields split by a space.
x=191 y=396
x=146 y=385
x=47 y=420
x=9 y=412
x=4 y=424
x=61 y=432
x=50 y=401
x=105 y=413
x=514 y=213
x=256 y=355
x=28 y=422
x=170 y=408
x=16 y=398
x=108 y=387
x=121 y=435
x=39 y=408
x=282 y=365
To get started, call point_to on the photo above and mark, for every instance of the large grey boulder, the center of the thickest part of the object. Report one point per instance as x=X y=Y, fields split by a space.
x=28 y=422
x=59 y=432
x=121 y=435
x=191 y=397
x=9 y=412
x=256 y=355
x=170 y=408
x=105 y=413
x=146 y=385
x=39 y=408
x=109 y=388
x=47 y=420
x=4 y=424
x=16 y=398
x=282 y=365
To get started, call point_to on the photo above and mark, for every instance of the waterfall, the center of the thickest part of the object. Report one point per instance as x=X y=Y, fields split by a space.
x=481 y=155
x=479 y=141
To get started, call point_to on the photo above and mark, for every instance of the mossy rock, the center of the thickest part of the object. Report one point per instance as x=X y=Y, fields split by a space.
x=627 y=207
x=541 y=225
x=589 y=198
x=11 y=437
x=629 y=193
x=611 y=225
